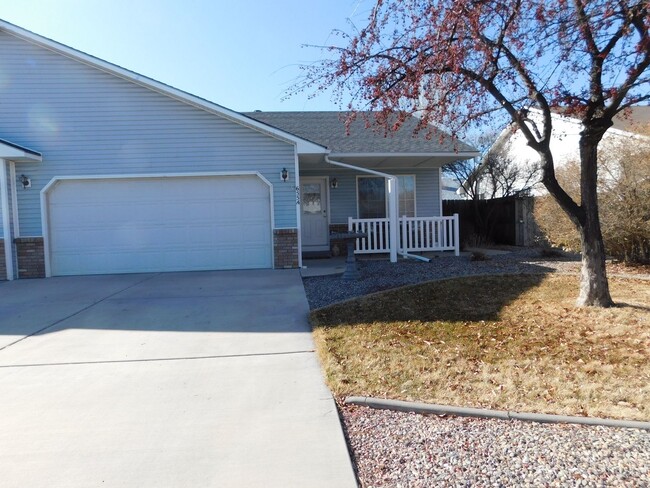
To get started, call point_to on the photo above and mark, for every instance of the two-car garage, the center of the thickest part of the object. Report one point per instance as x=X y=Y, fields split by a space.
x=131 y=224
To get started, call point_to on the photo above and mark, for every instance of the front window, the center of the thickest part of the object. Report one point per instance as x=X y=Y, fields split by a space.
x=371 y=196
x=406 y=195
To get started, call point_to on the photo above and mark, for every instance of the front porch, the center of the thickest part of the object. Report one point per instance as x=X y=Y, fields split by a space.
x=415 y=234
x=341 y=200
x=387 y=181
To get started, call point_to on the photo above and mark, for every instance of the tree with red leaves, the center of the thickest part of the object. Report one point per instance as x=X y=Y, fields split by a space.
x=456 y=63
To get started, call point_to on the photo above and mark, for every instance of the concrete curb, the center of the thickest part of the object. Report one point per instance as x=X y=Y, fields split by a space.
x=430 y=408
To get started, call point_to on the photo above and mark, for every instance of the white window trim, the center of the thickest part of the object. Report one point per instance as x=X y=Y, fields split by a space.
x=415 y=192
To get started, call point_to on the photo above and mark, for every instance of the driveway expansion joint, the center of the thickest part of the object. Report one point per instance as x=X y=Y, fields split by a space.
x=430 y=408
x=153 y=360
x=57 y=322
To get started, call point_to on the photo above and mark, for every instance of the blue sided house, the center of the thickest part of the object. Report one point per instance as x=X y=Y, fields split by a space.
x=103 y=170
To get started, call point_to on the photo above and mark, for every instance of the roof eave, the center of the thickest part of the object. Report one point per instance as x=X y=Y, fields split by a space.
x=460 y=154
x=18 y=154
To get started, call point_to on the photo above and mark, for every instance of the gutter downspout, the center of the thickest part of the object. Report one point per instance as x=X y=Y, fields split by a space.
x=6 y=227
x=393 y=218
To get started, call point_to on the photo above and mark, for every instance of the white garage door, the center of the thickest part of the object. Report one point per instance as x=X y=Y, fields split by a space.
x=136 y=225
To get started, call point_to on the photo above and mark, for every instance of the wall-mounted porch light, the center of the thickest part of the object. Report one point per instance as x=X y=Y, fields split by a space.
x=25 y=181
x=334 y=183
x=284 y=174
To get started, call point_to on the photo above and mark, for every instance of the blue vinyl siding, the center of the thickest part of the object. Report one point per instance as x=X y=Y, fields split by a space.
x=88 y=122
x=343 y=200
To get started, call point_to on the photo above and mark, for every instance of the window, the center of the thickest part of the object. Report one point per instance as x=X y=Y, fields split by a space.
x=371 y=196
x=311 y=198
x=406 y=195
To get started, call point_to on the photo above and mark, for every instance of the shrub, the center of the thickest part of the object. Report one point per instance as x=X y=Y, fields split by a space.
x=479 y=256
x=624 y=202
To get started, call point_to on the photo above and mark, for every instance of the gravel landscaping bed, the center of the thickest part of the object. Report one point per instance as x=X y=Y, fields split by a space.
x=396 y=449
x=377 y=275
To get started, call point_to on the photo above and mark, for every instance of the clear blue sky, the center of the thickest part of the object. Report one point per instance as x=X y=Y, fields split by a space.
x=242 y=54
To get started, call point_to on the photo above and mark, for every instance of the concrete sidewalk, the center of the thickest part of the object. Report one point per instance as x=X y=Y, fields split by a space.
x=165 y=380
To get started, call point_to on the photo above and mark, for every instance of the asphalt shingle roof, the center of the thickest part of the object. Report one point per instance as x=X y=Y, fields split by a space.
x=636 y=120
x=328 y=129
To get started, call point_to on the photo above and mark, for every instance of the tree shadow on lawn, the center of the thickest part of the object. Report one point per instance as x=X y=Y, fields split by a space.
x=465 y=299
x=632 y=306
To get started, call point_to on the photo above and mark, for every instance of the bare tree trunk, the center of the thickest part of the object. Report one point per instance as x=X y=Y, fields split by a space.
x=594 y=287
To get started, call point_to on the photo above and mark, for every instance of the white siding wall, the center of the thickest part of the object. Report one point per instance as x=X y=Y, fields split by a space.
x=86 y=122
x=343 y=200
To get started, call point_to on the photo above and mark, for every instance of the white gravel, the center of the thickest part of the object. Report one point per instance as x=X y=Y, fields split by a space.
x=395 y=449
x=377 y=275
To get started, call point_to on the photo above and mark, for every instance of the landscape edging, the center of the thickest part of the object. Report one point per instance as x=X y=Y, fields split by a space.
x=429 y=408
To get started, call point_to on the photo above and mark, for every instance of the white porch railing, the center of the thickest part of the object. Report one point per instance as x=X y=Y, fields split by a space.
x=416 y=234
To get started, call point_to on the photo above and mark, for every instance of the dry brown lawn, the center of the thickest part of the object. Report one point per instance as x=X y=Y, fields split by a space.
x=503 y=342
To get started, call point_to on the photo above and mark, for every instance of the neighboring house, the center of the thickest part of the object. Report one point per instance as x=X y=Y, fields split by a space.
x=103 y=170
x=520 y=164
x=451 y=189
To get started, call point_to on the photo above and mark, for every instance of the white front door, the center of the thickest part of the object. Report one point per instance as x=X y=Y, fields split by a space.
x=315 y=225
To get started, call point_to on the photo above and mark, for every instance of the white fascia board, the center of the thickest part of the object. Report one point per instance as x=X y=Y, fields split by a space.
x=306 y=147
x=18 y=155
x=303 y=146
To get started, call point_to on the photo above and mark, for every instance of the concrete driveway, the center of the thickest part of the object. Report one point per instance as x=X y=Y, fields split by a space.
x=164 y=380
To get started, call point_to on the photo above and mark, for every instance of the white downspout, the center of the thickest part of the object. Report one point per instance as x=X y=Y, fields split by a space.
x=6 y=228
x=393 y=218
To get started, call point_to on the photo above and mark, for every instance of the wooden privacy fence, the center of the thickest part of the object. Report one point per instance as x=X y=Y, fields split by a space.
x=507 y=221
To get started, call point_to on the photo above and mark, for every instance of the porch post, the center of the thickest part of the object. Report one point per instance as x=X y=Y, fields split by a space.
x=456 y=235
x=393 y=218
x=6 y=228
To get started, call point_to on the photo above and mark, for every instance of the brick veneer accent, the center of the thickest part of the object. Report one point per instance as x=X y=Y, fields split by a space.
x=338 y=247
x=31 y=257
x=3 y=262
x=285 y=246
